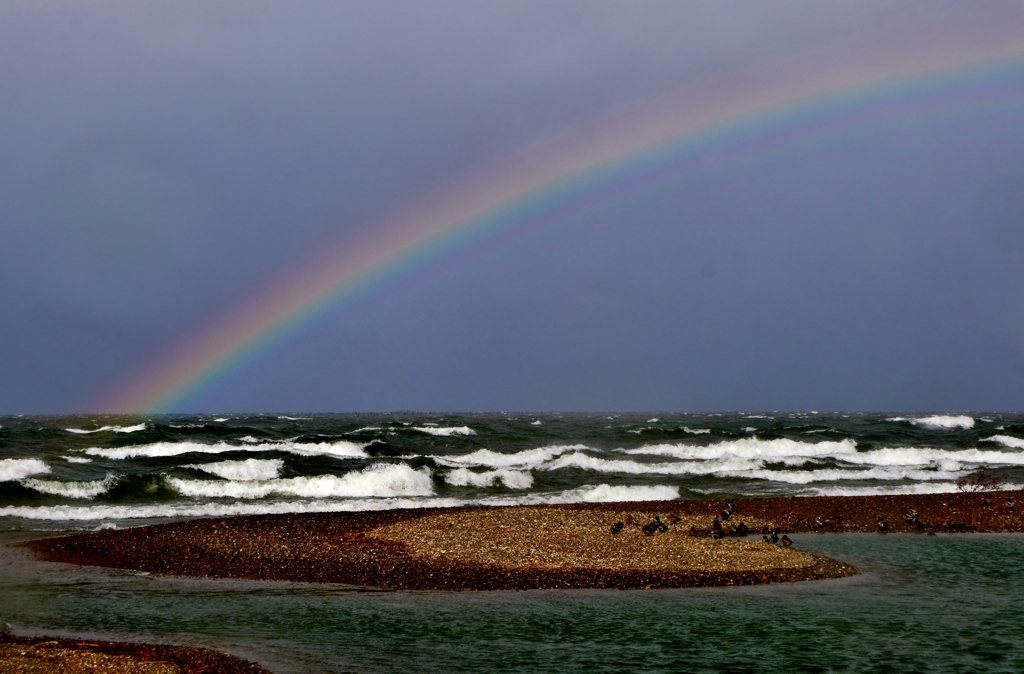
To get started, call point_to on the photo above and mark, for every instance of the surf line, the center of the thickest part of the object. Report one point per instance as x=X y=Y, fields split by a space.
x=733 y=121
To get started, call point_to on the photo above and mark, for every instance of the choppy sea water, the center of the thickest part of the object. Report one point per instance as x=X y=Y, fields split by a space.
x=922 y=603
x=83 y=472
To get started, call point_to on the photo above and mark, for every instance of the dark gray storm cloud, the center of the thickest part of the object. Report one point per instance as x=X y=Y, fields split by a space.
x=159 y=161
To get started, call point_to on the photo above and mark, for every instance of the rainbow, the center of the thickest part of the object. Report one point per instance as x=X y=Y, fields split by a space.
x=738 y=117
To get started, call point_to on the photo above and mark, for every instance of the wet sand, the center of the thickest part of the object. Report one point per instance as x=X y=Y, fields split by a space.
x=46 y=655
x=527 y=547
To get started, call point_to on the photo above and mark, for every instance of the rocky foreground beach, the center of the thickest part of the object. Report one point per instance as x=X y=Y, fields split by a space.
x=658 y=545
x=47 y=655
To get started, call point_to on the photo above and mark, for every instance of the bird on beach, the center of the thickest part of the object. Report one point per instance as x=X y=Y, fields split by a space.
x=786 y=541
x=1010 y=503
x=617 y=527
x=774 y=537
x=765 y=539
x=655 y=527
x=883 y=526
x=742 y=529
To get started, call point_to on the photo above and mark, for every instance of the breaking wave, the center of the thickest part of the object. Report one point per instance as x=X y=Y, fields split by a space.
x=939 y=421
x=72 y=489
x=513 y=479
x=779 y=450
x=445 y=431
x=486 y=458
x=1008 y=441
x=250 y=469
x=17 y=469
x=113 y=429
x=378 y=481
x=340 y=448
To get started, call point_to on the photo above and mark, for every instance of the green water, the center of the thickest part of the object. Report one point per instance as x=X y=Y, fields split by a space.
x=923 y=604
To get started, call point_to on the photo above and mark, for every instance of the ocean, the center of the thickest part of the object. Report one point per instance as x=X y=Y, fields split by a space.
x=84 y=472
x=946 y=603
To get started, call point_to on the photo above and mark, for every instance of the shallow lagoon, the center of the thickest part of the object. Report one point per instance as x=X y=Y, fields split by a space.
x=922 y=603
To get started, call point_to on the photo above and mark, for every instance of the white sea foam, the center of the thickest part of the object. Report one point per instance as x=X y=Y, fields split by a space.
x=295 y=418
x=72 y=489
x=606 y=493
x=535 y=423
x=939 y=421
x=884 y=490
x=1008 y=441
x=250 y=469
x=654 y=420
x=840 y=475
x=513 y=479
x=16 y=469
x=946 y=459
x=778 y=450
x=697 y=431
x=377 y=481
x=626 y=466
x=445 y=431
x=528 y=458
x=109 y=512
x=76 y=459
x=115 y=429
x=340 y=448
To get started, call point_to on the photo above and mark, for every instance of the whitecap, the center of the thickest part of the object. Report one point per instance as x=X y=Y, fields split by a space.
x=777 y=450
x=340 y=448
x=377 y=481
x=939 y=421
x=295 y=418
x=513 y=479
x=71 y=489
x=250 y=469
x=125 y=512
x=115 y=429
x=885 y=490
x=76 y=459
x=948 y=459
x=1008 y=441
x=16 y=469
x=535 y=423
x=445 y=431
x=529 y=458
x=697 y=431
x=606 y=493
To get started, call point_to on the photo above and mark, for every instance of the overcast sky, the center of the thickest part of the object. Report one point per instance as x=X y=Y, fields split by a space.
x=160 y=160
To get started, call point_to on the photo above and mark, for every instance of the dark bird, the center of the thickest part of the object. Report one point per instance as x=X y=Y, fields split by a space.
x=617 y=527
x=654 y=527
x=910 y=515
x=725 y=515
x=775 y=537
x=765 y=539
x=786 y=541
x=883 y=526
x=820 y=523
x=742 y=529
x=1010 y=503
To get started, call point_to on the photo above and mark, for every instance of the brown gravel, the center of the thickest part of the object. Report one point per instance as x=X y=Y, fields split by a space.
x=528 y=547
x=47 y=655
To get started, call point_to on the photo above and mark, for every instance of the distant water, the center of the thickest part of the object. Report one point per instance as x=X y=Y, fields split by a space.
x=84 y=472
